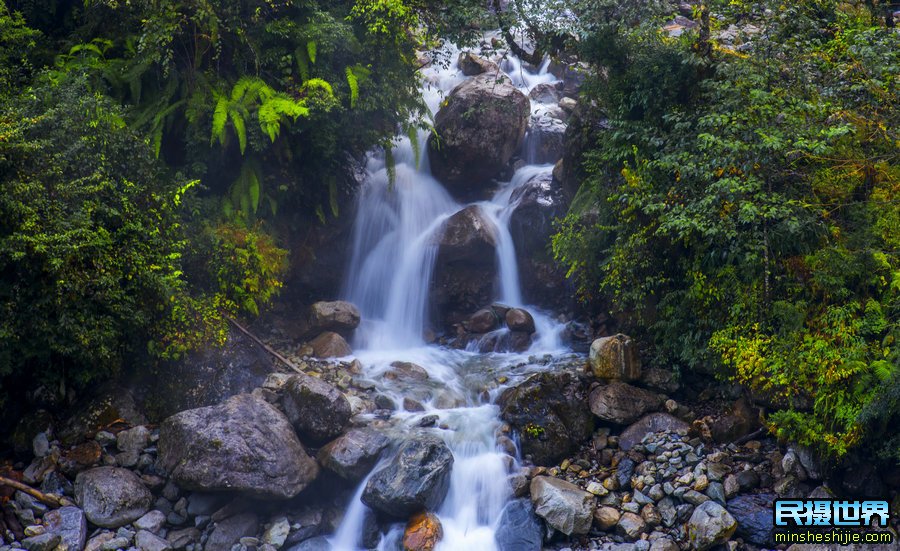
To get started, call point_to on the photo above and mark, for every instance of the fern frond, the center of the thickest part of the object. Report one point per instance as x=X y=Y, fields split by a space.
x=220 y=117
x=319 y=84
x=353 y=82
x=311 y=50
x=302 y=63
x=237 y=120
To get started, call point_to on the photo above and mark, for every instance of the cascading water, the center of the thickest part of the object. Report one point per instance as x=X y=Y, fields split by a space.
x=390 y=274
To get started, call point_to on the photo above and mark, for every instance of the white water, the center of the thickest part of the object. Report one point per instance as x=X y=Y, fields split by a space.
x=390 y=275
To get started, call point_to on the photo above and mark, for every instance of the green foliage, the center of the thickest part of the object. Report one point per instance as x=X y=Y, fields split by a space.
x=16 y=40
x=93 y=245
x=90 y=238
x=742 y=208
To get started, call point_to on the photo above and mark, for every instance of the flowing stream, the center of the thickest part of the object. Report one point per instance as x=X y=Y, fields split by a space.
x=390 y=276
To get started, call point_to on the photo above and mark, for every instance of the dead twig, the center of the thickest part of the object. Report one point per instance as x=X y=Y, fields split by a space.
x=265 y=346
x=46 y=499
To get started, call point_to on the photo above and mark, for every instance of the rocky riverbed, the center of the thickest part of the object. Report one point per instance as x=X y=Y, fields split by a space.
x=595 y=462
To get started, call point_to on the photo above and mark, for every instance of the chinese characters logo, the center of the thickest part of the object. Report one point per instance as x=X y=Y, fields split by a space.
x=825 y=512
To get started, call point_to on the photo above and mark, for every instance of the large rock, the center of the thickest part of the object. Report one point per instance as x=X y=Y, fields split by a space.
x=472 y=64
x=422 y=533
x=518 y=319
x=243 y=444
x=466 y=266
x=538 y=203
x=753 y=514
x=518 y=528
x=545 y=139
x=416 y=479
x=69 y=524
x=710 y=525
x=354 y=454
x=111 y=497
x=317 y=410
x=621 y=403
x=338 y=316
x=615 y=357
x=330 y=345
x=653 y=422
x=468 y=235
x=206 y=377
x=564 y=506
x=482 y=321
x=477 y=132
x=548 y=412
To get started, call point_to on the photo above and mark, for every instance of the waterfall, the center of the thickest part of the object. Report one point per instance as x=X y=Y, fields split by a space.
x=389 y=280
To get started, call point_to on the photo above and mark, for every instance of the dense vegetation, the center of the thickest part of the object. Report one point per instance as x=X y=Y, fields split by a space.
x=739 y=208
x=743 y=206
x=150 y=151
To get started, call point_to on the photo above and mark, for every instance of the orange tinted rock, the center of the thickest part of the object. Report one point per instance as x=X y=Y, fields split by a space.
x=423 y=532
x=86 y=454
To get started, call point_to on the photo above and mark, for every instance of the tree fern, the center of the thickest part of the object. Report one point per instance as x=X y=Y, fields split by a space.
x=353 y=82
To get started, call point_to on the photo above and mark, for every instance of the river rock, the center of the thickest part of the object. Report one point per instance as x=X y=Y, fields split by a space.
x=710 y=525
x=606 y=517
x=548 y=412
x=631 y=526
x=406 y=371
x=615 y=357
x=416 y=478
x=353 y=455
x=148 y=541
x=546 y=138
x=477 y=131
x=111 y=497
x=545 y=93
x=422 y=533
x=482 y=321
x=537 y=204
x=621 y=403
x=465 y=268
x=471 y=64
x=131 y=443
x=564 y=506
x=650 y=423
x=42 y=542
x=518 y=319
x=518 y=528
x=338 y=316
x=330 y=345
x=69 y=524
x=467 y=236
x=243 y=444
x=753 y=514
x=229 y=531
x=317 y=410
x=153 y=522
